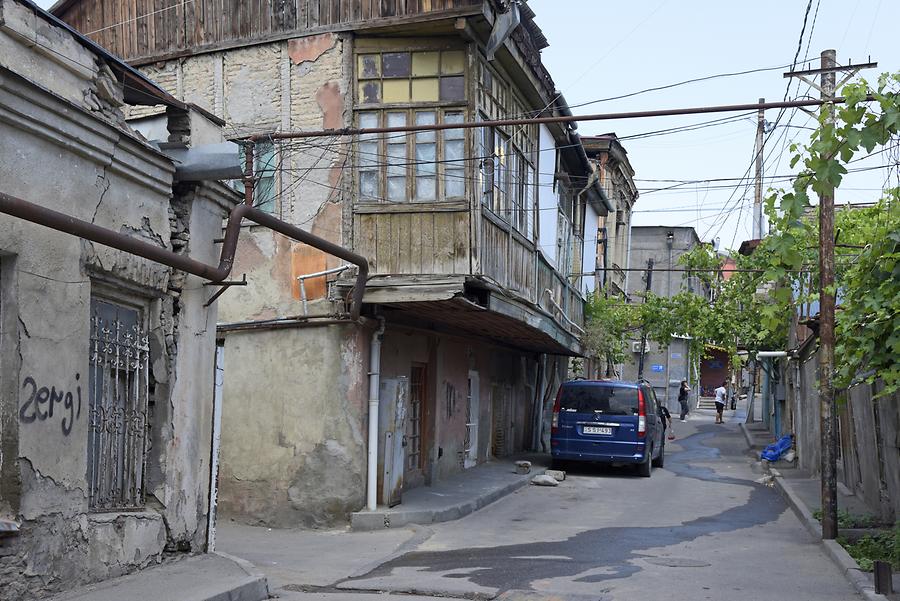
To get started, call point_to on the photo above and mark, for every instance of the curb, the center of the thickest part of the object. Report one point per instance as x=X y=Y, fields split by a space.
x=848 y=566
x=363 y=521
x=254 y=588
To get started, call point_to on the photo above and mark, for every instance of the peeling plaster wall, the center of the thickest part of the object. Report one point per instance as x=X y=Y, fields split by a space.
x=294 y=454
x=295 y=84
x=83 y=161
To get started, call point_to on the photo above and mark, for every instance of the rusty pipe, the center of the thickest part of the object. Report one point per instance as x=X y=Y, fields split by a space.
x=33 y=213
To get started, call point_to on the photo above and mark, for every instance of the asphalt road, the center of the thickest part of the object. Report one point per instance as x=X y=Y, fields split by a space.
x=699 y=528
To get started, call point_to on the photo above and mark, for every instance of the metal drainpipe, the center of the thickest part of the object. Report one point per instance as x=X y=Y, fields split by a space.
x=374 y=400
x=671 y=242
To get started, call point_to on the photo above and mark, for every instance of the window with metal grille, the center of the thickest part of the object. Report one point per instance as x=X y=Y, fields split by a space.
x=118 y=440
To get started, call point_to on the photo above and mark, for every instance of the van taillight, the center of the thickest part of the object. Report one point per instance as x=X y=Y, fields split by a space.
x=642 y=414
x=554 y=423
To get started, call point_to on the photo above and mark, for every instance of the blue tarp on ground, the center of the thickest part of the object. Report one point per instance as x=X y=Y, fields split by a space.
x=774 y=451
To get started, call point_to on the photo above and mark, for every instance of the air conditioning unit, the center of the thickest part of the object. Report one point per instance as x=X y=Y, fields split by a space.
x=636 y=347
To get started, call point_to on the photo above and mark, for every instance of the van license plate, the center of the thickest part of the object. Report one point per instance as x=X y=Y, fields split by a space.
x=597 y=430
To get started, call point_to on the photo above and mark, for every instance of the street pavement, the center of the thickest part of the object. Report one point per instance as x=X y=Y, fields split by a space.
x=699 y=528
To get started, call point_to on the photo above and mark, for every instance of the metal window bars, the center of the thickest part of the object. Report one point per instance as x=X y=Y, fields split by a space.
x=118 y=436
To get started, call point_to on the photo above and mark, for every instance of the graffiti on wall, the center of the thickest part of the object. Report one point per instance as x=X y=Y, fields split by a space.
x=44 y=403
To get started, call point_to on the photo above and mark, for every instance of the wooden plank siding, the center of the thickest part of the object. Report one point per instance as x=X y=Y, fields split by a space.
x=145 y=30
x=413 y=243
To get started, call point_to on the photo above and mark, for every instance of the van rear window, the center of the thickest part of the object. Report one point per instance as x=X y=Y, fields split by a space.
x=610 y=400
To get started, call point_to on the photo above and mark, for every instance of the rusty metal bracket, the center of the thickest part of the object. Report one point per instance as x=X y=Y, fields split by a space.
x=34 y=213
x=225 y=285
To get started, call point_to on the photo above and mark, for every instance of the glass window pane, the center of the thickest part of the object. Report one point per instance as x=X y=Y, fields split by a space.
x=368 y=120
x=426 y=188
x=455 y=150
x=453 y=61
x=425 y=63
x=368 y=154
x=425 y=90
x=396 y=90
x=426 y=154
x=264 y=194
x=396 y=156
x=368 y=185
x=426 y=118
x=397 y=189
x=453 y=88
x=396 y=64
x=454 y=134
x=370 y=92
x=454 y=182
x=369 y=66
x=396 y=119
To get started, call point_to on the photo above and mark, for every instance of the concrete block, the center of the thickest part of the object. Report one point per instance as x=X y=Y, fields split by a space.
x=557 y=475
x=523 y=467
x=544 y=480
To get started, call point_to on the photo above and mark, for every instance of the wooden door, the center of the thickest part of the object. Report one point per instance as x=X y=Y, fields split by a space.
x=415 y=426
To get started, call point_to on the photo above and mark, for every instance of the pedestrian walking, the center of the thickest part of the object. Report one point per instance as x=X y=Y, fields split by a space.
x=683 y=392
x=721 y=397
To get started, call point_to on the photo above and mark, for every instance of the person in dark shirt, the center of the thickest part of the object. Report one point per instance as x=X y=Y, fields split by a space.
x=683 y=392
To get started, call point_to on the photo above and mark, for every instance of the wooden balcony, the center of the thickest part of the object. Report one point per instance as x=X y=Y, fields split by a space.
x=425 y=266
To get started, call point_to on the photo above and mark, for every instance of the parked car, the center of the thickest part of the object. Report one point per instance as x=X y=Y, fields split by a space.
x=608 y=421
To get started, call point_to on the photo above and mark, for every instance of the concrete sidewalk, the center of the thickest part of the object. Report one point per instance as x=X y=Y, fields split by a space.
x=803 y=493
x=208 y=577
x=454 y=497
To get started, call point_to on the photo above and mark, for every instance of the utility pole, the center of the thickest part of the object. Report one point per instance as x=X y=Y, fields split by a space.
x=643 y=329
x=826 y=326
x=758 y=232
x=827 y=422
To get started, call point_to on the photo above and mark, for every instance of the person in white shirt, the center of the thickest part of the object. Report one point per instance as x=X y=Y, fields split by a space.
x=721 y=397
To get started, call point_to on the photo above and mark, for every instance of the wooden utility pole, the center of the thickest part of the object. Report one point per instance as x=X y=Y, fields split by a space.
x=826 y=326
x=758 y=232
x=827 y=420
x=643 y=329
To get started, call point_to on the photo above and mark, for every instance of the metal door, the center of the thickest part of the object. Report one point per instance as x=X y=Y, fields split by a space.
x=392 y=431
x=473 y=408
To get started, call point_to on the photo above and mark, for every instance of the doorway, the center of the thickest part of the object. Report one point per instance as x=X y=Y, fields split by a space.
x=415 y=425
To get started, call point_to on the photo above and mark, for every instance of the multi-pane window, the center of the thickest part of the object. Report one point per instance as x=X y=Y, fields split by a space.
x=405 y=77
x=264 y=169
x=419 y=88
x=508 y=180
x=421 y=166
x=118 y=382
x=454 y=157
x=507 y=171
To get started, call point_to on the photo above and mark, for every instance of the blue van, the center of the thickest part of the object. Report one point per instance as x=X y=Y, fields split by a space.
x=608 y=421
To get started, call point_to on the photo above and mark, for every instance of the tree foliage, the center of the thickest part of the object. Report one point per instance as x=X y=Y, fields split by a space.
x=753 y=308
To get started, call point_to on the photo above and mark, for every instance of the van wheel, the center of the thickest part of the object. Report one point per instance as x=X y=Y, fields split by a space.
x=661 y=460
x=645 y=468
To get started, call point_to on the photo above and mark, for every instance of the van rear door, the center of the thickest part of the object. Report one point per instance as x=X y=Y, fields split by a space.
x=598 y=418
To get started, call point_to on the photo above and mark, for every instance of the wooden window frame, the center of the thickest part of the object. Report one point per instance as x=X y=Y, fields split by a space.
x=411 y=166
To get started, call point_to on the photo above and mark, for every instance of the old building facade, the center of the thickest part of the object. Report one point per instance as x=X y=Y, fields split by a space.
x=665 y=366
x=616 y=176
x=104 y=426
x=477 y=321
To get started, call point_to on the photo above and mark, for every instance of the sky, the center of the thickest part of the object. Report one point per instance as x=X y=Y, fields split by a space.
x=599 y=49
x=603 y=49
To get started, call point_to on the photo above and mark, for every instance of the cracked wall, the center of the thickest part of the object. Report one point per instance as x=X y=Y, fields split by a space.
x=294 y=454
x=294 y=84
x=82 y=160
